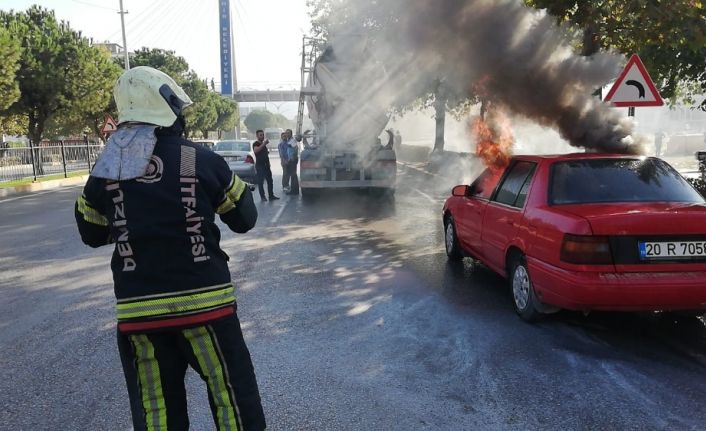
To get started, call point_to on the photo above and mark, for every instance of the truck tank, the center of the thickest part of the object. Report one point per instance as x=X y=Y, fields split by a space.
x=340 y=92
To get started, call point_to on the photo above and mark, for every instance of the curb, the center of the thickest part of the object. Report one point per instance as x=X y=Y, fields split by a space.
x=43 y=185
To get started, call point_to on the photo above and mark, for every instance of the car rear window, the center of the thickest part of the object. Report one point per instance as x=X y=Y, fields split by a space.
x=618 y=180
x=232 y=146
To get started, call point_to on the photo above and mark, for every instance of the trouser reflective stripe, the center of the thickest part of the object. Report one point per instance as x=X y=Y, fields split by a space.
x=208 y=354
x=150 y=383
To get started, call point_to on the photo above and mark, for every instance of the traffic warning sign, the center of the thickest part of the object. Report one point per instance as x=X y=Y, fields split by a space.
x=634 y=87
x=109 y=125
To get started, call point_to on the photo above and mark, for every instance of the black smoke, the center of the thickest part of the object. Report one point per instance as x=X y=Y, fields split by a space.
x=512 y=56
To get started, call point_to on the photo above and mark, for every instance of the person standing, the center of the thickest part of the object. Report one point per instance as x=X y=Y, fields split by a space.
x=397 y=141
x=292 y=162
x=262 y=165
x=659 y=139
x=155 y=195
x=283 y=149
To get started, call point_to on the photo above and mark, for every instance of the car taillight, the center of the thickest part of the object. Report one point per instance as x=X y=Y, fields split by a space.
x=249 y=159
x=387 y=163
x=586 y=250
x=310 y=165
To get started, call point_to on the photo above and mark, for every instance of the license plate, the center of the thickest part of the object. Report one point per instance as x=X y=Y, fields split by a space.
x=234 y=158
x=314 y=171
x=672 y=250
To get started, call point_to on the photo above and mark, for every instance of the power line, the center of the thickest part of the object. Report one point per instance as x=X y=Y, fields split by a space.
x=137 y=20
x=95 y=5
x=147 y=24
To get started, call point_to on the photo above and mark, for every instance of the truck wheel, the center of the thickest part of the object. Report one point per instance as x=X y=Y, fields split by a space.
x=453 y=251
x=309 y=194
x=381 y=193
x=522 y=290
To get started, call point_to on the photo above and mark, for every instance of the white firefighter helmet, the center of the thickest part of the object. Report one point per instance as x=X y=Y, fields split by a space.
x=146 y=95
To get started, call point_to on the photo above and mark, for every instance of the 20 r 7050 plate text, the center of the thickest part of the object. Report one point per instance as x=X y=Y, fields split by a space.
x=672 y=249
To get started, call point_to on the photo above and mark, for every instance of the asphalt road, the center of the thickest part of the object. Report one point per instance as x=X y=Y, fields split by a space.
x=354 y=320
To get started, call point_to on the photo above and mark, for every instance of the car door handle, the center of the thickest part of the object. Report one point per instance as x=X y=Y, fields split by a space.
x=509 y=221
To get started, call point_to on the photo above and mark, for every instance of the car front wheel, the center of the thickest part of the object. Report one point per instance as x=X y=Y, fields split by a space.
x=523 y=295
x=453 y=251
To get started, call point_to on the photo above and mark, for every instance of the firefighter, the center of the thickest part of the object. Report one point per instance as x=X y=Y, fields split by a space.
x=154 y=195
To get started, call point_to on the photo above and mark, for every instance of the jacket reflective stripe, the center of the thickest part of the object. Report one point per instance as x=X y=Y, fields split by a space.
x=178 y=304
x=233 y=194
x=170 y=294
x=89 y=213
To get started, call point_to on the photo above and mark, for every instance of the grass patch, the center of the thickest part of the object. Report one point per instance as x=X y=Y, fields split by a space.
x=28 y=180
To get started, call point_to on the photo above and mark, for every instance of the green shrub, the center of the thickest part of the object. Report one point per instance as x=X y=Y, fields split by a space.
x=699 y=184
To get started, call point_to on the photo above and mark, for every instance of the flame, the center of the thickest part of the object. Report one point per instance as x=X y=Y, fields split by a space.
x=493 y=134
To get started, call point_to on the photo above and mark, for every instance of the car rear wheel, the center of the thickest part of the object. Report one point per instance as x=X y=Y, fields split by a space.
x=453 y=251
x=523 y=295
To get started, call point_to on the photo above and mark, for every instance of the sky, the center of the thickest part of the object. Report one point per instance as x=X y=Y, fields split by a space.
x=268 y=33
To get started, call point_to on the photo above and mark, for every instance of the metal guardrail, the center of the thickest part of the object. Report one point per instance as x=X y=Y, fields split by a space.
x=48 y=158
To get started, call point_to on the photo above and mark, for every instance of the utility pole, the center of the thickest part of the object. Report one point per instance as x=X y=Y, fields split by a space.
x=122 y=21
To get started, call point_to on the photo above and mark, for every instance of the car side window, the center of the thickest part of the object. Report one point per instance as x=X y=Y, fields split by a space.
x=484 y=185
x=513 y=191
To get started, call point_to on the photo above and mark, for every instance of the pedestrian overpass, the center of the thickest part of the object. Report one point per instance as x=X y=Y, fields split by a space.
x=266 y=96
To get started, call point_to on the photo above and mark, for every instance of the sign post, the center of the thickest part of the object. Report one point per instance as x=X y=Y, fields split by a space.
x=634 y=88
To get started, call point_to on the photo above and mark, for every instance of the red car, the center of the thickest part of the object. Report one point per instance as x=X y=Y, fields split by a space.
x=585 y=232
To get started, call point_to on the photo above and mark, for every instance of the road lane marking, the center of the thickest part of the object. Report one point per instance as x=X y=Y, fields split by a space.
x=26 y=196
x=431 y=199
x=419 y=170
x=279 y=213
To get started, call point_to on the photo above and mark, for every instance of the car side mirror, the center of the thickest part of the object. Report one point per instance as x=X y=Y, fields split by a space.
x=460 y=191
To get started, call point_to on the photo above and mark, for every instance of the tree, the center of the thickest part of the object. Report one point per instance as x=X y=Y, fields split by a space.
x=10 y=54
x=59 y=73
x=94 y=97
x=281 y=121
x=670 y=37
x=227 y=112
x=202 y=115
x=164 y=60
x=259 y=120
x=13 y=125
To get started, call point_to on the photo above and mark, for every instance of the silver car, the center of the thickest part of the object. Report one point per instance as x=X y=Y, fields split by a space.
x=240 y=158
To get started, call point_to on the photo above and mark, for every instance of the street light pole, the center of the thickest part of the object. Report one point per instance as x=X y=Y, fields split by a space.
x=122 y=21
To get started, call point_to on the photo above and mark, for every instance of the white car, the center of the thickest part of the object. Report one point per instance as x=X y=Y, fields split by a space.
x=240 y=158
x=205 y=143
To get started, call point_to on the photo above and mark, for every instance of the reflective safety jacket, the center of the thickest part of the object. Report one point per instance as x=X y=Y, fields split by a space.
x=168 y=268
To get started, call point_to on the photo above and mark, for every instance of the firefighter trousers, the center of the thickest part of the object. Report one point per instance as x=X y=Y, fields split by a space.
x=155 y=365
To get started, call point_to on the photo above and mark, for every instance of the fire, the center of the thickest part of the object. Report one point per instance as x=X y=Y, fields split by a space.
x=494 y=139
